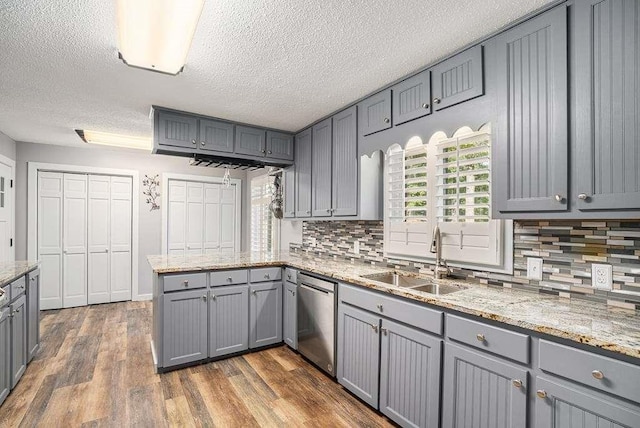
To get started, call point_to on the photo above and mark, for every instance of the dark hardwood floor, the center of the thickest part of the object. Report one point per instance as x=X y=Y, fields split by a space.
x=95 y=369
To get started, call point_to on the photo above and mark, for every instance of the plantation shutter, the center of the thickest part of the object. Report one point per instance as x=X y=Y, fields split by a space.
x=264 y=226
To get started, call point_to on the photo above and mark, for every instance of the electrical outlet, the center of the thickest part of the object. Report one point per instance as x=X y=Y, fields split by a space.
x=356 y=247
x=601 y=276
x=534 y=268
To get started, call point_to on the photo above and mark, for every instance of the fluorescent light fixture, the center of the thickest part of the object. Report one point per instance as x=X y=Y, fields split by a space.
x=156 y=34
x=115 y=140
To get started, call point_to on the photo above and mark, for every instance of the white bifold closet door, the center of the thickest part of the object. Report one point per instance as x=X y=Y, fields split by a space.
x=74 y=241
x=50 y=190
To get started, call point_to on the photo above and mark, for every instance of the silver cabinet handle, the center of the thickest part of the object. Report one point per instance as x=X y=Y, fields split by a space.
x=17 y=310
x=558 y=198
x=288 y=276
x=541 y=393
x=269 y=152
x=387 y=120
x=293 y=293
x=425 y=105
x=480 y=337
x=583 y=196
x=597 y=374
x=374 y=328
x=204 y=298
x=263 y=151
x=185 y=283
x=436 y=100
x=254 y=292
x=384 y=331
x=379 y=306
x=193 y=142
x=213 y=297
x=328 y=210
x=229 y=279
x=517 y=383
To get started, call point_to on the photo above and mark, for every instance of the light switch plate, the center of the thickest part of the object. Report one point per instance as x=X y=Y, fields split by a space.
x=601 y=276
x=534 y=268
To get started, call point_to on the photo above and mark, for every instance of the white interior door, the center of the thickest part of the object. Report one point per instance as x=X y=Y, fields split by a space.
x=50 y=190
x=75 y=240
x=7 y=250
x=228 y=218
x=211 y=218
x=195 y=217
x=98 y=239
x=176 y=209
x=120 y=239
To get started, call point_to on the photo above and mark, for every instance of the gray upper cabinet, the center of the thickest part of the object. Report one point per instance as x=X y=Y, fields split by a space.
x=185 y=327
x=375 y=113
x=344 y=175
x=289 y=183
x=321 y=170
x=33 y=310
x=5 y=353
x=409 y=375
x=250 y=141
x=530 y=162
x=290 y=319
x=412 y=98
x=228 y=320
x=607 y=44
x=458 y=79
x=279 y=145
x=216 y=136
x=478 y=388
x=18 y=339
x=303 y=174
x=265 y=317
x=175 y=129
x=560 y=405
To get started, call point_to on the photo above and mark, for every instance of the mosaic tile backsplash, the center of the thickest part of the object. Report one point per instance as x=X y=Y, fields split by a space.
x=567 y=247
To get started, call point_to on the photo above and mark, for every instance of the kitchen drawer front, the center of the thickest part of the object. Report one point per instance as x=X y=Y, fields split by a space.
x=228 y=277
x=181 y=282
x=499 y=341
x=291 y=275
x=596 y=371
x=393 y=307
x=266 y=274
x=18 y=287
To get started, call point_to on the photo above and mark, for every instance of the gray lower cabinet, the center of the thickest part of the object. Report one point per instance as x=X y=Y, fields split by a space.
x=374 y=113
x=228 y=320
x=412 y=98
x=279 y=145
x=482 y=391
x=216 y=136
x=303 y=173
x=175 y=129
x=458 y=79
x=33 y=310
x=321 y=170
x=290 y=318
x=558 y=404
x=18 y=339
x=607 y=77
x=289 y=194
x=265 y=314
x=250 y=141
x=344 y=164
x=530 y=162
x=5 y=353
x=409 y=375
x=185 y=327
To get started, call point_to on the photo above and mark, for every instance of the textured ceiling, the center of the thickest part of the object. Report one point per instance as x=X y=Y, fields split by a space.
x=275 y=63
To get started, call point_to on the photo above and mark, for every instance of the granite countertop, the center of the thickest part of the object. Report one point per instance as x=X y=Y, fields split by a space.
x=10 y=271
x=593 y=323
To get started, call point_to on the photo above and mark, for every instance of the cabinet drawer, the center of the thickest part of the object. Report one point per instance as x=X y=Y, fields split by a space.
x=187 y=281
x=603 y=373
x=18 y=287
x=505 y=343
x=291 y=275
x=393 y=307
x=266 y=274
x=228 y=277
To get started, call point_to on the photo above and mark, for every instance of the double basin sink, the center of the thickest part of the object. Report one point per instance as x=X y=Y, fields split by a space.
x=413 y=283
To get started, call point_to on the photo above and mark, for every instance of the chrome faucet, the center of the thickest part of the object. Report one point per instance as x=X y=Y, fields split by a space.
x=441 y=269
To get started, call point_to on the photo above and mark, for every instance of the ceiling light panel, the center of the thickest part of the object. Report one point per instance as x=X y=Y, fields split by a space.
x=157 y=34
x=115 y=140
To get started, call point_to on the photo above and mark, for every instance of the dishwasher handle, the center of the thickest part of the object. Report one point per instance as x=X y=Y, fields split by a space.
x=318 y=284
x=312 y=288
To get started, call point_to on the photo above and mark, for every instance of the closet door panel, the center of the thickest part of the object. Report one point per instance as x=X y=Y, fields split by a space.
x=120 y=239
x=75 y=241
x=50 y=188
x=195 y=219
x=98 y=239
x=177 y=208
x=228 y=222
x=211 y=243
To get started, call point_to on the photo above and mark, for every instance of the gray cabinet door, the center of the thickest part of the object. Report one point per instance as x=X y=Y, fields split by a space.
x=265 y=318
x=216 y=136
x=228 y=320
x=412 y=98
x=5 y=353
x=18 y=339
x=279 y=145
x=375 y=113
x=566 y=407
x=250 y=141
x=184 y=327
x=458 y=79
x=359 y=353
x=478 y=388
x=608 y=88
x=344 y=176
x=303 y=173
x=33 y=309
x=530 y=162
x=321 y=170
x=409 y=375
x=290 y=320
x=289 y=183
x=174 y=129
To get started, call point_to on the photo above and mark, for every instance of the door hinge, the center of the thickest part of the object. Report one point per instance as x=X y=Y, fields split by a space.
x=11 y=242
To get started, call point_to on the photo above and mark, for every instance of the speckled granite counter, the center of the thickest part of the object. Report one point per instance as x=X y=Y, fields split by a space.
x=595 y=324
x=12 y=270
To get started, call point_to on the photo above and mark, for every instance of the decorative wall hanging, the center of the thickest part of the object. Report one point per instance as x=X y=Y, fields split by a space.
x=152 y=191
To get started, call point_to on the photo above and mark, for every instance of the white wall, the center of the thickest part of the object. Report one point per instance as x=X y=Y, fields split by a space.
x=146 y=163
x=7 y=147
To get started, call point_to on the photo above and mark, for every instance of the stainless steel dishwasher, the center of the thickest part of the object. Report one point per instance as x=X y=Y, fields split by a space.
x=316 y=321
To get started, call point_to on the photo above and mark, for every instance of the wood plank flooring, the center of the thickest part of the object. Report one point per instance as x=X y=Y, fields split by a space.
x=95 y=369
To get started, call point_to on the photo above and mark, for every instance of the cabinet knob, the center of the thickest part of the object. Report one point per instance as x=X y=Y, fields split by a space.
x=185 y=283
x=202 y=143
x=193 y=142
x=597 y=374
x=517 y=383
x=308 y=212
x=269 y=152
x=229 y=279
x=254 y=292
x=267 y=276
x=425 y=105
x=17 y=310
x=541 y=393
x=480 y=337
x=329 y=210
x=213 y=297
x=204 y=298
x=293 y=293
x=559 y=198
x=384 y=331
x=374 y=328
x=387 y=120
x=583 y=196
x=263 y=151
x=379 y=306
x=436 y=100
x=288 y=276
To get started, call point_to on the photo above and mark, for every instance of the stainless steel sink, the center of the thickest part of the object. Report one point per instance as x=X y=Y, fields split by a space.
x=413 y=283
